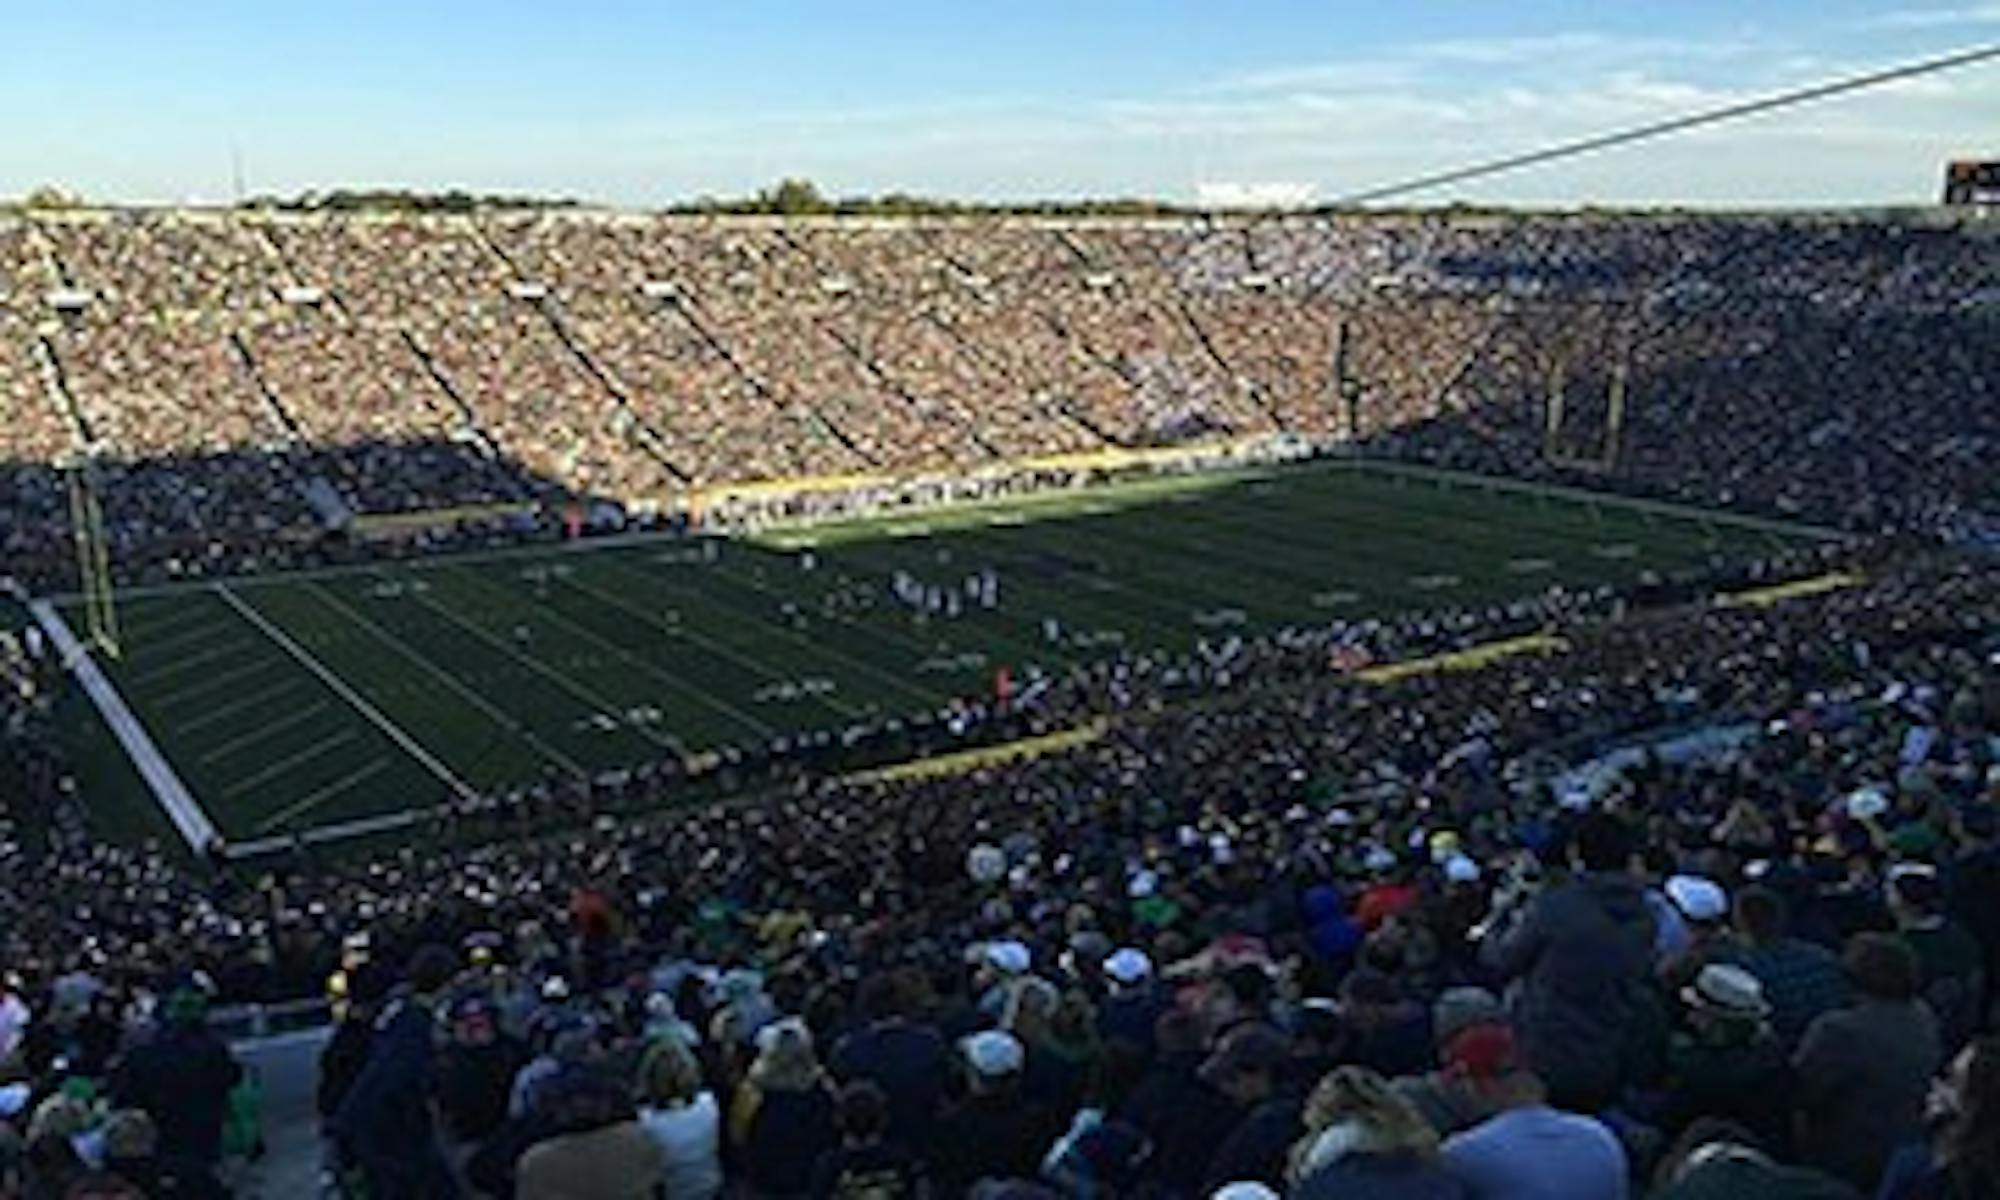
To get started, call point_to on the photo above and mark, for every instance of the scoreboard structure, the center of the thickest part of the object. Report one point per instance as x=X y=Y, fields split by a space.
x=1969 y=182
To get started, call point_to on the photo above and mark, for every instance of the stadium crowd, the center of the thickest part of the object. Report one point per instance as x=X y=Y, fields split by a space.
x=1279 y=931
x=210 y=361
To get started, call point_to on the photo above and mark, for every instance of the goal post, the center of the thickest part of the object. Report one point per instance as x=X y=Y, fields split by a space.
x=93 y=560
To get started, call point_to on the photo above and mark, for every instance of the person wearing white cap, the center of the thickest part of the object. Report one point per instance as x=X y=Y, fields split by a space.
x=1693 y=919
x=1730 y=1064
x=1134 y=1004
x=1002 y=967
x=996 y=1132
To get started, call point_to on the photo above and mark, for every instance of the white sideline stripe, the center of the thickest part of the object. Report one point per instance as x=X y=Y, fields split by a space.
x=218 y=716
x=261 y=732
x=188 y=819
x=321 y=795
x=339 y=831
x=273 y=770
x=450 y=681
x=339 y=687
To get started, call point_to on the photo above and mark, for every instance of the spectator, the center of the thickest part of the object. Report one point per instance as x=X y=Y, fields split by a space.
x=1177 y=1109
x=782 y=1118
x=1950 y=963
x=132 y=1151
x=866 y=1163
x=1362 y=1142
x=908 y=1060
x=1715 y=1160
x=1580 y=952
x=683 y=1119
x=595 y=1149
x=476 y=1070
x=1729 y=1064
x=995 y=1132
x=1961 y=1160
x=1800 y=979
x=1248 y=1066
x=1435 y=1094
x=182 y=1077
x=1862 y=1071
x=385 y=1118
x=1526 y=1150
x=1133 y=1004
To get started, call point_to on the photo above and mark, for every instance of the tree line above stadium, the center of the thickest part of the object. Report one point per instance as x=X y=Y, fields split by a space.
x=792 y=197
x=787 y=197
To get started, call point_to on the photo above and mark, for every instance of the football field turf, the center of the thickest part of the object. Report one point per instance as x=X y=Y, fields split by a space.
x=296 y=701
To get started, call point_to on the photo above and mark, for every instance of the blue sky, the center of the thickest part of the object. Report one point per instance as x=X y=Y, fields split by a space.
x=641 y=103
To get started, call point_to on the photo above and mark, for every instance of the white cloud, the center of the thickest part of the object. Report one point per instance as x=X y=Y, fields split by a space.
x=1933 y=18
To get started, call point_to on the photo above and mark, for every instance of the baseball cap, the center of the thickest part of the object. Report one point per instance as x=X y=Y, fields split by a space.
x=1011 y=958
x=1128 y=966
x=993 y=1053
x=1483 y=1051
x=1698 y=899
x=1248 y=1189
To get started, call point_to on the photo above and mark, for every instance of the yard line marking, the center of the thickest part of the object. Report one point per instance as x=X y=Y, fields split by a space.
x=259 y=733
x=689 y=633
x=189 y=635
x=216 y=716
x=158 y=675
x=173 y=697
x=827 y=648
x=715 y=702
x=735 y=656
x=596 y=702
x=450 y=681
x=274 y=770
x=180 y=619
x=318 y=796
x=339 y=686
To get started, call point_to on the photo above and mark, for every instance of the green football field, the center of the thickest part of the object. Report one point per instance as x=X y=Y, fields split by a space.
x=298 y=701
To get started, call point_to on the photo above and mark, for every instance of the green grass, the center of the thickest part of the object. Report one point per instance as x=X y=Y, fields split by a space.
x=506 y=667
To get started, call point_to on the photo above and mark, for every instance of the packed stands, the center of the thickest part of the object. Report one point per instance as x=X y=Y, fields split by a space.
x=452 y=362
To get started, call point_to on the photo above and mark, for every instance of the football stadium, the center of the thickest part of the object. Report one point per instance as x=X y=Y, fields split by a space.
x=1408 y=684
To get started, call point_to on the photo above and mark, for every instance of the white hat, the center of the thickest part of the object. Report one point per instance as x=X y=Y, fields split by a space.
x=770 y=1035
x=14 y=1099
x=1128 y=966
x=1380 y=858
x=1726 y=989
x=993 y=1053
x=1248 y=1190
x=1142 y=884
x=1461 y=869
x=1009 y=958
x=1698 y=899
x=1867 y=803
x=985 y=863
